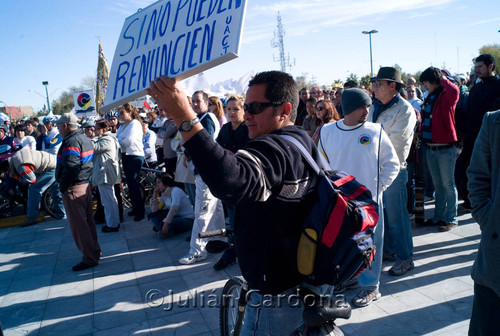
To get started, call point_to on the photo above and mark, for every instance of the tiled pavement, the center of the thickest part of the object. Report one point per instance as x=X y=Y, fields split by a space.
x=131 y=291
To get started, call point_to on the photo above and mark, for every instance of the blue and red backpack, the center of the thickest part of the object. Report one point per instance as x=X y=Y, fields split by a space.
x=336 y=244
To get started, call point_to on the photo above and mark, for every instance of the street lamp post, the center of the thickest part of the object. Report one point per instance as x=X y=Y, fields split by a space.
x=46 y=83
x=369 y=33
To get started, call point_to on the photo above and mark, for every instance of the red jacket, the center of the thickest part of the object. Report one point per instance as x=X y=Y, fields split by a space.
x=443 y=114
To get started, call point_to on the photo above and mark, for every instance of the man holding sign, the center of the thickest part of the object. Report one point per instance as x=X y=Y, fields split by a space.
x=268 y=182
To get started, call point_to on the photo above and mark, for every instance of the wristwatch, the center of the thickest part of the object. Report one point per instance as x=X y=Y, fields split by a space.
x=187 y=125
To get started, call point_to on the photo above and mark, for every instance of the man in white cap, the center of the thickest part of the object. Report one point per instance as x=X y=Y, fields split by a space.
x=363 y=150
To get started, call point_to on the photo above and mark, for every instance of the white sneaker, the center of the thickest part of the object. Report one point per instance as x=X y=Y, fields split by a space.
x=191 y=258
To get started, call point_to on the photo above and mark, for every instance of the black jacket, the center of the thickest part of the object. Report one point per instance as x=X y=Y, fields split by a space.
x=271 y=186
x=482 y=98
x=74 y=160
x=233 y=140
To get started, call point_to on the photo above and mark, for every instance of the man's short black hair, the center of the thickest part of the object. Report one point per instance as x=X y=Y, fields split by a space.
x=432 y=75
x=487 y=59
x=350 y=84
x=281 y=88
x=29 y=122
x=203 y=93
x=20 y=127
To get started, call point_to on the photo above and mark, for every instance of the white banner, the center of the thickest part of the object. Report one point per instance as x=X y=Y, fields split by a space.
x=177 y=38
x=84 y=103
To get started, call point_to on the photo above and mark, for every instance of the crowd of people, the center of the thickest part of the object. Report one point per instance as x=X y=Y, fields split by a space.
x=224 y=158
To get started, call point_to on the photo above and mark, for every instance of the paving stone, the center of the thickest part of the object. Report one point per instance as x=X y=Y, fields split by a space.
x=25 y=329
x=70 y=289
x=114 y=265
x=152 y=258
x=43 y=242
x=72 y=316
x=185 y=323
x=34 y=296
x=116 y=307
x=48 y=260
x=39 y=294
x=156 y=273
x=167 y=296
x=139 y=328
x=113 y=281
x=114 y=247
x=32 y=278
x=22 y=315
x=4 y=233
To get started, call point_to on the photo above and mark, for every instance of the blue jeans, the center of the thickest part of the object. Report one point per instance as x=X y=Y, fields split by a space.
x=398 y=237
x=132 y=167
x=441 y=165
x=36 y=190
x=410 y=187
x=267 y=315
x=370 y=278
x=178 y=225
x=57 y=203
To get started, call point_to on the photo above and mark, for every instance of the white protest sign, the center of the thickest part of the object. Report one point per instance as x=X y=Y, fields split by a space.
x=177 y=38
x=84 y=103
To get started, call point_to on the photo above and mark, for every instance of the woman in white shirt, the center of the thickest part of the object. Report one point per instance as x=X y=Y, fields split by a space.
x=130 y=135
x=171 y=210
x=24 y=140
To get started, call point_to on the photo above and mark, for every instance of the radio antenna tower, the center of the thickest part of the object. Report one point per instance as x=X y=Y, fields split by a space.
x=278 y=42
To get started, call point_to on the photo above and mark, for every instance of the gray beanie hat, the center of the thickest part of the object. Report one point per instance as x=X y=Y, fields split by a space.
x=353 y=99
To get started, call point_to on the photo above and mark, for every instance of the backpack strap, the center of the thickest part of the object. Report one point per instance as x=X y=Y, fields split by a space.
x=317 y=168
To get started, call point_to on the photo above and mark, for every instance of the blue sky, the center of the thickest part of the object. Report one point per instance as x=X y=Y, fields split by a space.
x=57 y=40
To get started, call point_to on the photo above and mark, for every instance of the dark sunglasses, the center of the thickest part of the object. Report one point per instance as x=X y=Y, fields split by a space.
x=320 y=108
x=258 y=107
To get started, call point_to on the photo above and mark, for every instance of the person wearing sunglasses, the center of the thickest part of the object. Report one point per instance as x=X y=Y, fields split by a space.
x=325 y=114
x=268 y=182
x=398 y=119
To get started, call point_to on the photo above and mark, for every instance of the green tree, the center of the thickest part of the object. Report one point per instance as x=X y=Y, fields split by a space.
x=493 y=49
x=365 y=81
x=352 y=76
x=416 y=75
